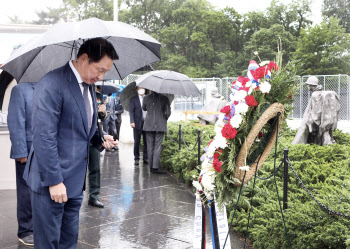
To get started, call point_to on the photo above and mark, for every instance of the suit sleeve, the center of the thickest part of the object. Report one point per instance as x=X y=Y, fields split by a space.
x=46 y=116
x=119 y=108
x=132 y=111
x=167 y=110
x=16 y=121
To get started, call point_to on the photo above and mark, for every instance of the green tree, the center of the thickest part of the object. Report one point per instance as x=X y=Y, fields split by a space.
x=339 y=9
x=50 y=16
x=324 y=49
x=266 y=41
x=77 y=10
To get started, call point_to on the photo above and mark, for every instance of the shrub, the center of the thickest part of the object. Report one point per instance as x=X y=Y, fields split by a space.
x=325 y=171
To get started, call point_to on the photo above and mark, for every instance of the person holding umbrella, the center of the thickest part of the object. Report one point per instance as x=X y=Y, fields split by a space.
x=64 y=124
x=137 y=118
x=158 y=112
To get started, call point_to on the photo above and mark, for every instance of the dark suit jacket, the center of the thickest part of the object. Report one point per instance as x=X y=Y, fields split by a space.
x=61 y=139
x=120 y=109
x=19 y=119
x=135 y=111
x=158 y=112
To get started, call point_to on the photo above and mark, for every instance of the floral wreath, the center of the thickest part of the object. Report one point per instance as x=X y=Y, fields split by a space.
x=229 y=121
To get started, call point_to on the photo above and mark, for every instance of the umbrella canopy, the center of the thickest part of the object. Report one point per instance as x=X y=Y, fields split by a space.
x=121 y=88
x=107 y=87
x=168 y=82
x=130 y=91
x=61 y=43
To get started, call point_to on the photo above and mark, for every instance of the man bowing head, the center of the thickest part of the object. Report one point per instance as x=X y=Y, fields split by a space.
x=64 y=124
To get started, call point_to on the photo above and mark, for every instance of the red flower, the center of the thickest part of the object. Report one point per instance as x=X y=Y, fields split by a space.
x=235 y=102
x=233 y=83
x=251 y=101
x=272 y=65
x=217 y=165
x=260 y=134
x=200 y=179
x=226 y=110
x=228 y=131
x=210 y=142
x=259 y=73
x=216 y=156
x=243 y=80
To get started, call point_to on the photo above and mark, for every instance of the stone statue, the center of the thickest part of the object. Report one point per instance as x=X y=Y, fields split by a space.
x=320 y=117
x=214 y=104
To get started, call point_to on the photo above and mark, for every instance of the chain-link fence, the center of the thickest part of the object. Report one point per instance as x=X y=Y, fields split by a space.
x=338 y=83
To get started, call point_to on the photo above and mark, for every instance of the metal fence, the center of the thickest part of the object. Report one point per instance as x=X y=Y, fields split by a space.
x=338 y=83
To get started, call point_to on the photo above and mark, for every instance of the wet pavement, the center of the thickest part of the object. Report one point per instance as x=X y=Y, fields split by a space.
x=142 y=210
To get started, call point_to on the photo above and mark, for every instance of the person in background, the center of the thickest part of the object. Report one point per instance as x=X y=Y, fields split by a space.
x=137 y=117
x=109 y=123
x=118 y=122
x=158 y=112
x=94 y=166
x=19 y=121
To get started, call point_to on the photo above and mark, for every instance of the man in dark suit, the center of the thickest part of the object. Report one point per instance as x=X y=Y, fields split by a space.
x=20 y=126
x=137 y=117
x=64 y=123
x=94 y=167
x=119 y=109
x=158 y=112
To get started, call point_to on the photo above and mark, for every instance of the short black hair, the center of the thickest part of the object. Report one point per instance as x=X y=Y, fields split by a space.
x=97 y=48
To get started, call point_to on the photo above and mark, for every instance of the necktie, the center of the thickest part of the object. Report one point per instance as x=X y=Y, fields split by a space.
x=87 y=104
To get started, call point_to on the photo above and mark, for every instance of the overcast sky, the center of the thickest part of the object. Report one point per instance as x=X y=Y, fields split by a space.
x=25 y=9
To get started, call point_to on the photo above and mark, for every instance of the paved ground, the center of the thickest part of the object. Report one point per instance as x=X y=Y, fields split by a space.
x=142 y=210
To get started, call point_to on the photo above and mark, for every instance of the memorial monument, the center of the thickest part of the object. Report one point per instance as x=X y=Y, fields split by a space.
x=320 y=117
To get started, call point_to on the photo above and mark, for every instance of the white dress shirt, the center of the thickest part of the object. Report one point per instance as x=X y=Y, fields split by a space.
x=80 y=81
x=143 y=112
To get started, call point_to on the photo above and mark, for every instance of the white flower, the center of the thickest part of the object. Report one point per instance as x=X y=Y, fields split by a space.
x=236 y=120
x=197 y=185
x=264 y=63
x=194 y=176
x=240 y=95
x=220 y=141
x=207 y=182
x=254 y=85
x=256 y=53
x=220 y=121
x=265 y=87
x=203 y=132
x=241 y=108
x=248 y=84
x=244 y=168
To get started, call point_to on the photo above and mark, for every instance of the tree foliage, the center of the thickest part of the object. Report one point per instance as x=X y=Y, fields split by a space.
x=323 y=49
x=201 y=41
x=339 y=9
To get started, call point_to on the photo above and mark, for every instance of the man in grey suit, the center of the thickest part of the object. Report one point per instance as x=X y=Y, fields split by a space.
x=109 y=123
x=158 y=112
x=19 y=122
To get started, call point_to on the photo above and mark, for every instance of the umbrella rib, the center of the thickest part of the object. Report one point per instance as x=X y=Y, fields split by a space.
x=117 y=71
x=148 y=49
x=31 y=62
x=71 y=53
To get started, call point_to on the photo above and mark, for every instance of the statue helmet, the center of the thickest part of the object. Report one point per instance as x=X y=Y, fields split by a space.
x=313 y=81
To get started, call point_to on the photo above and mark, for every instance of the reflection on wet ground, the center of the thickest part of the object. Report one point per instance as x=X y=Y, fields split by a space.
x=142 y=210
